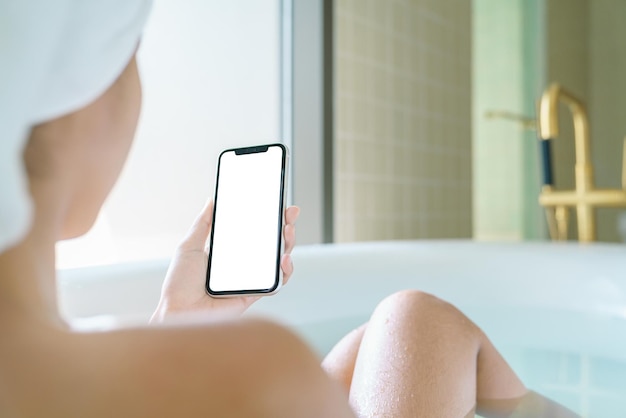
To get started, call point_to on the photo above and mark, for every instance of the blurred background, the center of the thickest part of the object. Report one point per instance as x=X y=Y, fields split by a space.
x=406 y=119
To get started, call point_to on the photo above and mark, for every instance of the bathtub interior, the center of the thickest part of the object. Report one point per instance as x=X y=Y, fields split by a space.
x=585 y=380
x=556 y=312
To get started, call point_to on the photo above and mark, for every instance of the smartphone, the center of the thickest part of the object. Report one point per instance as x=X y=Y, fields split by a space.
x=246 y=240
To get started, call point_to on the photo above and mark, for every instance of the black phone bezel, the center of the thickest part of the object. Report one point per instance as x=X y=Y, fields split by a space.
x=241 y=151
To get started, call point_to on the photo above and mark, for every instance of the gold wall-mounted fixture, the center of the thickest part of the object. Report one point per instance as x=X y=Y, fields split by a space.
x=524 y=121
x=585 y=198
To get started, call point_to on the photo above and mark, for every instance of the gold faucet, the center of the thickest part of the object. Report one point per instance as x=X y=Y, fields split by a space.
x=585 y=197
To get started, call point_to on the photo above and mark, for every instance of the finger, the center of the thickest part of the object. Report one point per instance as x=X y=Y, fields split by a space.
x=289 y=232
x=286 y=264
x=199 y=232
x=291 y=215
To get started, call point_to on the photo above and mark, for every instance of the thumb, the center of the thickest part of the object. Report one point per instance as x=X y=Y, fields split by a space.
x=199 y=232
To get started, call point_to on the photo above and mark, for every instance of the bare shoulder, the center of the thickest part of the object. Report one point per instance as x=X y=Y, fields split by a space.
x=230 y=368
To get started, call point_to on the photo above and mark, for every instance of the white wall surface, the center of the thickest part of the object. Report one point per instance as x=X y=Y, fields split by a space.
x=211 y=80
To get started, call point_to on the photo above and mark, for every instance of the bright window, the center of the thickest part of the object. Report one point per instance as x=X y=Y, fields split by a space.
x=211 y=72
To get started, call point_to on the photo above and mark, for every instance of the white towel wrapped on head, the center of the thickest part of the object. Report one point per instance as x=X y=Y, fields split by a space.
x=55 y=57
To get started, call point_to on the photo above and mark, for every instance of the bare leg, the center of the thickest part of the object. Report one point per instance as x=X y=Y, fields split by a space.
x=339 y=363
x=420 y=356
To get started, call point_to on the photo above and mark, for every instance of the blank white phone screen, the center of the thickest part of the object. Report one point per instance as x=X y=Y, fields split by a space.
x=245 y=249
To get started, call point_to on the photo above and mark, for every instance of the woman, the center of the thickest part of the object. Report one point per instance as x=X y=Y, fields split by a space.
x=70 y=101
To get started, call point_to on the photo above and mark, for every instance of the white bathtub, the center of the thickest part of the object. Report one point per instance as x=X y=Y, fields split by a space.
x=557 y=311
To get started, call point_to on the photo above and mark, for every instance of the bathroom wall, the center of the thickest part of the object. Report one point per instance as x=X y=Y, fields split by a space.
x=507 y=77
x=607 y=101
x=199 y=98
x=403 y=119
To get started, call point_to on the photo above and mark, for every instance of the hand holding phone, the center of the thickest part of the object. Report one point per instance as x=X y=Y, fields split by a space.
x=184 y=287
x=246 y=243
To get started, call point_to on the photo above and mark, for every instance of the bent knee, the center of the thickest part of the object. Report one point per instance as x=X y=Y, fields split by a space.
x=416 y=305
x=413 y=299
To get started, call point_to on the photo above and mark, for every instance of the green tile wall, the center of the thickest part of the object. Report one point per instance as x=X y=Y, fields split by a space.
x=403 y=119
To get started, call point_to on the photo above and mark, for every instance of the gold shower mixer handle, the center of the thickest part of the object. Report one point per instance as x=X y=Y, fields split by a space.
x=525 y=122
